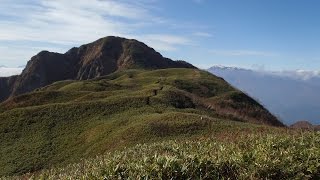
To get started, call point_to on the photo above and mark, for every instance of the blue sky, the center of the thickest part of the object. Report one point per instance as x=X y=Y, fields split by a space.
x=260 y=34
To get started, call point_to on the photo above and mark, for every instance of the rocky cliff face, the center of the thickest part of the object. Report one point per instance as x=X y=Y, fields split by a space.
x=95 y=59
x=43 y=69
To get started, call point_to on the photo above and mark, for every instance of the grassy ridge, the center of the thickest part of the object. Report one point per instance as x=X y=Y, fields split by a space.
x=69 y=120
x=249 y=156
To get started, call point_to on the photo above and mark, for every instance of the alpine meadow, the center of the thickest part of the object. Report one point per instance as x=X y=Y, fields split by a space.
x=117 y=108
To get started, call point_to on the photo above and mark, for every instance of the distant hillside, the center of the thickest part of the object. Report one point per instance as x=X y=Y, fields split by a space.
x=305 y=125
x=291 y=96
x=302 y=125
x=96 y=59
x=69 y=120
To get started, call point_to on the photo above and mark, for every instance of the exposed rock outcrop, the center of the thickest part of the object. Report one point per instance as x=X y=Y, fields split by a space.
x=95 y=59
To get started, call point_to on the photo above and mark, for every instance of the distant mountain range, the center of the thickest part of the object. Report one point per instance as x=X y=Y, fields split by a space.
x=291 y=95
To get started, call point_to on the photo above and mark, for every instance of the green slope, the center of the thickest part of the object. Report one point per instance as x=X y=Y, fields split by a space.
x=278 y=155
x=69 y=120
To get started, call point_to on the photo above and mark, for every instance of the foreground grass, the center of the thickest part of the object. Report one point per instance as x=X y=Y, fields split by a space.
x=253 y=156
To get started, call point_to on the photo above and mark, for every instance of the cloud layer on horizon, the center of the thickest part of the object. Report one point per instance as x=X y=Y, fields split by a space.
x=298 y=74
x=5 y=71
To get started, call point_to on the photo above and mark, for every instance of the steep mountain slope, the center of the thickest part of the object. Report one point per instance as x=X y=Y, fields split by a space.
x=286 y=96
x=98 y=58
x=69 y=120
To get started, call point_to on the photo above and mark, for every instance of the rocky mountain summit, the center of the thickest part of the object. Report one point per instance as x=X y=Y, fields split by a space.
x=99 y=58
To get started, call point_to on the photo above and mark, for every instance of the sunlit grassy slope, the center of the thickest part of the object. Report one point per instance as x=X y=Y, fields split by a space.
x=248 y=156
x=69 y=120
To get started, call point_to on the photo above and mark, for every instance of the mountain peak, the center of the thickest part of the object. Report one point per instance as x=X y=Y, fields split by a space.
x=101 y=57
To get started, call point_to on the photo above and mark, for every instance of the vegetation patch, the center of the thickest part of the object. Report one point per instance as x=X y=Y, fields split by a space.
x=69 y=120
x=250 y=156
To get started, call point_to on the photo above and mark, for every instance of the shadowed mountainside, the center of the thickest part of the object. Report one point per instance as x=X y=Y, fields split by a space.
x=6 y=85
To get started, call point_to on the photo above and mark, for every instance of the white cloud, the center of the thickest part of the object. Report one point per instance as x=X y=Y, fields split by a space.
x=203 y=66
x=5 y=71
x=292 y=74
x=75 y=22
x=163 y=42
x=168 y=39
x=202 y=34
x=299 y=74
x=70 y=21
x=241 y=53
